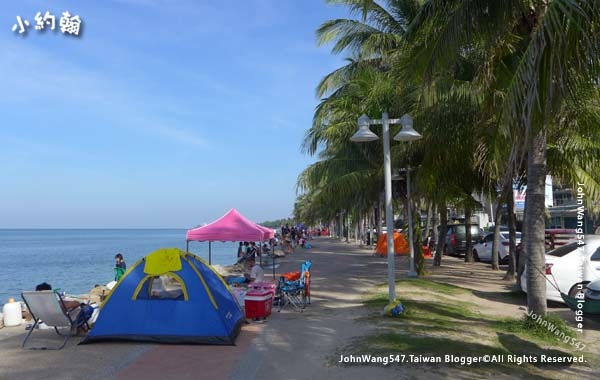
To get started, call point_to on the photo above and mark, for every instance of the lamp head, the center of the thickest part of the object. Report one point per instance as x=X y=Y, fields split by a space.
x=364 y=134
x=363 y=121
x=407 y=133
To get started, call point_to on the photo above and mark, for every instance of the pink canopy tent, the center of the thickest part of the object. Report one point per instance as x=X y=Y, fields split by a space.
x=232 y=226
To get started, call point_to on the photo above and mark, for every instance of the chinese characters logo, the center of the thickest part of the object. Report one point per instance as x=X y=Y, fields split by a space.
x=68 y=24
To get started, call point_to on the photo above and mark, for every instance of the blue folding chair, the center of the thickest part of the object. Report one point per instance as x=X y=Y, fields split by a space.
x=295 y=293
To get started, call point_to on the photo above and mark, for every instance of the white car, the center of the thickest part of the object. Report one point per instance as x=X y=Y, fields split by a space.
x=482 y=251
x=569 y=266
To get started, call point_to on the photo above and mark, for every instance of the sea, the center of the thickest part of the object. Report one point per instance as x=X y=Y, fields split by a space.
x=75 y=260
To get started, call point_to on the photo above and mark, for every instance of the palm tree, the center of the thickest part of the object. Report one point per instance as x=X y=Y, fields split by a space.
x=534 y=55
x=348 y=173
x=377 y=41
x=447 y=173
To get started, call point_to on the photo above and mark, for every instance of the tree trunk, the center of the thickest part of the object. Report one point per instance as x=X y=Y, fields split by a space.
x=346 y=227
x=496 y=242
x=379 y=212
x=441 y=241
x=512 y=237
x=334 y=228
x=468 y=235
x=435 y=231
x=418 y=242
x=371 y=225
x=535 y=221
x=365 y=227
x=522 y=259
x=425 y=234
x=358 y=231
x=506 y=189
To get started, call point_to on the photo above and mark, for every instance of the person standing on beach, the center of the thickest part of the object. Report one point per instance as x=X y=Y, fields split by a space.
x=120 y=266
x=265 y=250
x=240 y=252
x=252 y=251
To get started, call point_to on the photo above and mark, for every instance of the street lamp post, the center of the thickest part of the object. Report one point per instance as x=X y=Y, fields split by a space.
x=364 y=134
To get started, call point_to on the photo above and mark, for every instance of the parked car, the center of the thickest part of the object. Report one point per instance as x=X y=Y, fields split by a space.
x=456 y=238
x=570 y=265
x=482 y=251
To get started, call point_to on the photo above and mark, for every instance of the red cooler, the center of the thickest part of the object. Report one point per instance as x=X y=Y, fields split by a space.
x=258 y=303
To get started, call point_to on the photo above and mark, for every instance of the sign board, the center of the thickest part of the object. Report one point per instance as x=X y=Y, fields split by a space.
x=519 y=194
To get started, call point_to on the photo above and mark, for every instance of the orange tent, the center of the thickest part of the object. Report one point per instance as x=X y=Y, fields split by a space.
x=400 y=244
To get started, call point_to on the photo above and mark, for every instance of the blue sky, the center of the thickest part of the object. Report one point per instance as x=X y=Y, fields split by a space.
x=161 y=114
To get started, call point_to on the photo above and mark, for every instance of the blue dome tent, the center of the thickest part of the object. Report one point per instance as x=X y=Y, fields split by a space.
x=169 y=296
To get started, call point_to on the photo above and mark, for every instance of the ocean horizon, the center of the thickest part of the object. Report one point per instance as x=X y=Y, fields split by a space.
x=76 y=259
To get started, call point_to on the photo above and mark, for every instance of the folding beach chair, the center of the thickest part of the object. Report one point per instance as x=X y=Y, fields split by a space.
x=48 y=306
x=290 y=293
x=295 y=293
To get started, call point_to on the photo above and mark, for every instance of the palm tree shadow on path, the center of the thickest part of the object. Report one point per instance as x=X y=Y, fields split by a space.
x=533 y=352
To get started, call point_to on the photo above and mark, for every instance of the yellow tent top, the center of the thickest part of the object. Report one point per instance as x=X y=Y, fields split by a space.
x=163 y=260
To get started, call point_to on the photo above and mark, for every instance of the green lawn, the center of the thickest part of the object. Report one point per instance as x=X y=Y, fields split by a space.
x=438 y=321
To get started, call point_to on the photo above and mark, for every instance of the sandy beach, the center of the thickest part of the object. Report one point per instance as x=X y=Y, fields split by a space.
x=290 y=345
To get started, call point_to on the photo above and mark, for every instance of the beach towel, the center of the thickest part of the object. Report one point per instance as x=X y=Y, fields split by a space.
x=236 y=280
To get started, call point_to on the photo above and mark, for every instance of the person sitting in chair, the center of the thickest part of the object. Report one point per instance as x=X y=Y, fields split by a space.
x=70 y=306
x=256 y=272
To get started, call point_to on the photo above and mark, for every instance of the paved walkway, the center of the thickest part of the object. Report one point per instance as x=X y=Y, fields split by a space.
x=290 y=345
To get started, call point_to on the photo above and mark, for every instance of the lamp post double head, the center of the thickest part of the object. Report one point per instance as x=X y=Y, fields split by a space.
x=364 y=134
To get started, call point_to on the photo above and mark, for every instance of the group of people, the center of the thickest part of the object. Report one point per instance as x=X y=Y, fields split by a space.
x=294 y=236
x=248 y=250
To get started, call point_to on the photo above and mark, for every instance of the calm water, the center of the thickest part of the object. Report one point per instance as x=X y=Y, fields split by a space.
x=75 y=260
